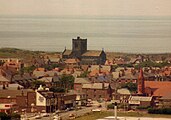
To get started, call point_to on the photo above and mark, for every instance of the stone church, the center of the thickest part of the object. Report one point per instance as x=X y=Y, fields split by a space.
x=79 y=51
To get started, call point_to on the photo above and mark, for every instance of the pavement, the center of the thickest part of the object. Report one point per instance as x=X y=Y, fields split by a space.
x=133 y=118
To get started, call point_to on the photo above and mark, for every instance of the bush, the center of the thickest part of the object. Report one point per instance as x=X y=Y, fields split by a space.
x=110 y=106
x=4 y=116
x=15 y=116
x=130 y=86
x=159 y=110
x=142 y=107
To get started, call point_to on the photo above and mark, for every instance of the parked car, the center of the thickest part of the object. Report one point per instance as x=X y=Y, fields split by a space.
x=68 y=109
x=88 y=105
x=45 y=115
x=38 y=117
x=96 y=110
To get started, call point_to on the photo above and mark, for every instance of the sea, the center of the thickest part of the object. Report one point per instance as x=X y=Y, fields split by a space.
x=115 y=34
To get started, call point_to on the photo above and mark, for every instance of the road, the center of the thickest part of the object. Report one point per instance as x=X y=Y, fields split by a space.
x=65 y=115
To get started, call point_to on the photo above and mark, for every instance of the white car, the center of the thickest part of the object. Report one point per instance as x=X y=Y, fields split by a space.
x=38 y=117
x=56 y=117
x=45 y=115
x=96 y=110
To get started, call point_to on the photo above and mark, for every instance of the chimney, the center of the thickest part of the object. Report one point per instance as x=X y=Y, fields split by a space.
x=140 y=83
x=103 y=85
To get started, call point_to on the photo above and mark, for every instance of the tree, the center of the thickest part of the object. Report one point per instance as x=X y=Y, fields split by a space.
x=37 y=83
x=130 y=86
x=57 y=89
x=84 y=74
x=67 y=81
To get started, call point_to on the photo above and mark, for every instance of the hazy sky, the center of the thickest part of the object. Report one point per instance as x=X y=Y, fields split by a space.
x=86 y=7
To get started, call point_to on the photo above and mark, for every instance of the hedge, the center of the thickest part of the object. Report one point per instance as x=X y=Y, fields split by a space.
x=159 y=110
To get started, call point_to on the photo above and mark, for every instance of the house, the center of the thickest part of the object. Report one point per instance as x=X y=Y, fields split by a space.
x=81 y=97
x=3 y=80
x=78 y=83
x=165 y=101
x=122 y=95
x=79 y=51
x=143 y=101
x=98 y=91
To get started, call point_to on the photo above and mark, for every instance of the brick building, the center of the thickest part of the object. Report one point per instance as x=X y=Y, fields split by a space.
x=37 y=101
x=98 y=91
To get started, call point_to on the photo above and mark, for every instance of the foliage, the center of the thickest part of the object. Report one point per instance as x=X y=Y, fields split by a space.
x=4 y=116
x=143 y=107
x=57 y=89
x=29 y=69
x=159 y=110
x=130 y=86
x=151 y=64
x=126 y=65
x=1 y=63
x=67 y=81
x=84 y=74
x=110 y=106
x=15 y=116
x=37 y=83
x=50 y=66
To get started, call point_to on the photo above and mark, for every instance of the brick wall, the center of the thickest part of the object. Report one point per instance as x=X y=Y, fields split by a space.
x=96 y=94
x=7 y=100
x=31 y=96
x=78 y=87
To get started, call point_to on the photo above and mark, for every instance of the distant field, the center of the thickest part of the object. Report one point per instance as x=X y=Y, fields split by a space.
x=98 y=115
x=25 y=54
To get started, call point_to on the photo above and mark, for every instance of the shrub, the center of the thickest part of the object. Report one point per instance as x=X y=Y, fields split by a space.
x=142 y=107
x=159 y=110
x=110 y=106
x=15 y=116
x=4 y=116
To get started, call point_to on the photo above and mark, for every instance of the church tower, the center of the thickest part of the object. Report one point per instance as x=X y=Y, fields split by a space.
x=79 y=46
x=140 y=83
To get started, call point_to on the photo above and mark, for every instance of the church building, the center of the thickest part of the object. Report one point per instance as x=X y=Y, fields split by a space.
x=79 y=51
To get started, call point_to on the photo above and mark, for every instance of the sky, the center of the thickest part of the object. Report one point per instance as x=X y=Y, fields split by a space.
x=86 y=7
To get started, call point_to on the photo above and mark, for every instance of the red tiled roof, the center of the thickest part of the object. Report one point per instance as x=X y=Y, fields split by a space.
x=159 y=88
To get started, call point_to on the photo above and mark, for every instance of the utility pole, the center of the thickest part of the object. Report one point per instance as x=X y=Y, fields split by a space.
x=115 y=111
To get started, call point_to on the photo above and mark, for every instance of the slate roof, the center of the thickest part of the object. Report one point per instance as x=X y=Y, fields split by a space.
x=3 y=79
x=92 y=53
x=46 y=79
x=123 y=91
x=12 y=86
x=140 y=98
x=95 y=86
x=81 y=80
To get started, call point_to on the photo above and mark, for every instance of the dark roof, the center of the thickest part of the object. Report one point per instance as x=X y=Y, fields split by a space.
x=92 y=53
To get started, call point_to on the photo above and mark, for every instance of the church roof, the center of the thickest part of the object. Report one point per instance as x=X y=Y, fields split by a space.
x=92 y=53
x=67 y=52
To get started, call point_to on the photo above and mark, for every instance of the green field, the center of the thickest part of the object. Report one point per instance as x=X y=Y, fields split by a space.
x=97 y=115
